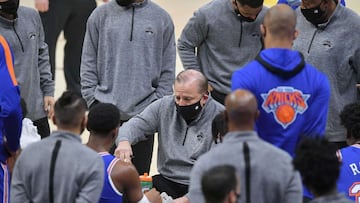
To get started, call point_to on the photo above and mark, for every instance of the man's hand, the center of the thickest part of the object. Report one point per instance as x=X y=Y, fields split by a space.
x=42 y=5
x=153 y=196
x=124 y=151
x=49 y=106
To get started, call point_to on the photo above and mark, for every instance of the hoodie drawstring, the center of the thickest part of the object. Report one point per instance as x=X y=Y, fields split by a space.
x=132 y=23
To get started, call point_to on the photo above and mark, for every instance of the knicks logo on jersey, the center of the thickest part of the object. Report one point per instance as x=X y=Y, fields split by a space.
x=285 y=103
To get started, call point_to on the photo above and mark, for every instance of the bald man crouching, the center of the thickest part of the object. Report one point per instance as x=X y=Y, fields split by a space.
x=266 y=173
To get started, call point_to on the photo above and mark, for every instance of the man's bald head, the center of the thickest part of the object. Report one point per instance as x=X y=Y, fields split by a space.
x=241 y=108
x=280 y=21
x=189 y=76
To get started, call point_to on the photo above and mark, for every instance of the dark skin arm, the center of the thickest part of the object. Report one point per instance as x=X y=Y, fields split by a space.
x=126 y=179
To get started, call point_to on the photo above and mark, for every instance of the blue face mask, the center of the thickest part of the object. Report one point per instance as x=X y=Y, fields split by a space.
x=314 y=15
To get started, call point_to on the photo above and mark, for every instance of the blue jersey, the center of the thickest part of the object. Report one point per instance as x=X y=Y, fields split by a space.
x=292 y=96
x=10 y=116
x=349 y=180
x=109 y=194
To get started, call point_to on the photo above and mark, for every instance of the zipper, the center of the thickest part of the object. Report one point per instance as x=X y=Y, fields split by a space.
x=22 y=46
x=132 y=24
x=312 y=39
x=241 y=32
x=187 y=128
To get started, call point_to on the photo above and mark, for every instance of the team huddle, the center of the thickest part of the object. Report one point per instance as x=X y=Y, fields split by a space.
x=266 y=109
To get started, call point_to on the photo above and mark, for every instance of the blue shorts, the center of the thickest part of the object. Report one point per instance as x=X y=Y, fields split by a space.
x=4 y=183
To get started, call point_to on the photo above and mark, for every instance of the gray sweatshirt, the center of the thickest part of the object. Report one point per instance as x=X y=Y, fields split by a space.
x=272 y=177
x=334 y=48
x=179 y=144
x=222 y=41
x=25 y=36
x=78 y=175
x=128 y=56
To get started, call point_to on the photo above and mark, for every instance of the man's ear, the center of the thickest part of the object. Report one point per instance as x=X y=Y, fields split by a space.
x=204 y=99
x=232 y=196
x=296 y=34
x=53 y=119
x=262 y=29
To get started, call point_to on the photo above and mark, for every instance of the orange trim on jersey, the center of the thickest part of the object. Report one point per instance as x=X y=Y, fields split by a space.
x=8 y=59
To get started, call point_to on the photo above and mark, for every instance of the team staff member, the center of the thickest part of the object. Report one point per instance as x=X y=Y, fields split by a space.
x=183 y=123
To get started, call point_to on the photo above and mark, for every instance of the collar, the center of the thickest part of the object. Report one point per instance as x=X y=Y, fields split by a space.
x=66 y=135
x=334 y=16
x=8 y=22
x=240 y=135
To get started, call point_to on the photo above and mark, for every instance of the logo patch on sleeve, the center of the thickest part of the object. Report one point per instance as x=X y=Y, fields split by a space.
x=285 y=103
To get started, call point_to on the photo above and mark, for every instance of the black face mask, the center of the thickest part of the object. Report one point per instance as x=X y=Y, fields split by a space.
x=190 y=112
x=9 y=7
x=125 y=3
x=244 y=18
x=314 y=15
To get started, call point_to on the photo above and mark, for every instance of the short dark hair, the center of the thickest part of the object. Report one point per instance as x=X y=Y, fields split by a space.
x=251 y=3
x=350 y=118
x=318 y=164
x=103 y=118
x=217 y=182
x=70 y=109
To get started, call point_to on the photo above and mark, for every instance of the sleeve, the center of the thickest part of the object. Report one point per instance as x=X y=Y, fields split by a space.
x=88 y=68
x=167 y=75
x=194 y=33
x=18 y=192
x=145 y=123
x=293 y=191
x=47 y=84
x=10 y=108
x=195 y=193
x=318 y=109
x=90 y=190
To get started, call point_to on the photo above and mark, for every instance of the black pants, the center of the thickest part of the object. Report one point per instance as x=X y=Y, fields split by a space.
x=71 y=17
x=218 y=96
x=43 y=127
x=175 y=190
x=142 y=152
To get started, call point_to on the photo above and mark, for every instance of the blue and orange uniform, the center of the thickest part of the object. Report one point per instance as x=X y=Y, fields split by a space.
x=292 y=96
x=349 y=179
x=10 y=115
x=109 y=194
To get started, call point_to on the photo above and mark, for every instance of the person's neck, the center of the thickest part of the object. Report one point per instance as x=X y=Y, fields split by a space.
x=277 y=43
x=7 y=16
x=333 y=191
x=99 y=144
x=76 y=130
x=332 y=8
x=234 y=128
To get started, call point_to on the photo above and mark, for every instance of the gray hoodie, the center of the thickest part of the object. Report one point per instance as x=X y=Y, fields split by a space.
x=180 y=144
x=78 y=171
x=334 y=48
x=25 y=36
x=272 y=176
x=128 y=56
x=223 y=42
